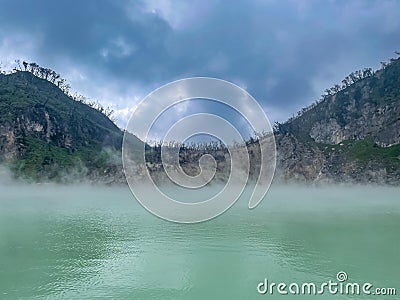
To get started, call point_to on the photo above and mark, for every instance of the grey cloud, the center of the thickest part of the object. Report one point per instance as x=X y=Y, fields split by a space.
x=279 y=49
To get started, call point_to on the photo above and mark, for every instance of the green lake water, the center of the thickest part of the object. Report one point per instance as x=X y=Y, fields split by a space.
x=88 y=243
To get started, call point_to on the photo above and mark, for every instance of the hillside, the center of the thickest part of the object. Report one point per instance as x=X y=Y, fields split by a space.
x=352 y=135
x=46 y=135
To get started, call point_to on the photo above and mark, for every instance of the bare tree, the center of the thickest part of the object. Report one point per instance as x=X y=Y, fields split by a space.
x=18 y=62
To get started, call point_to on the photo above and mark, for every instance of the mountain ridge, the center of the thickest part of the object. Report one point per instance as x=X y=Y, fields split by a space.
x=351 y=135
x=42 y=130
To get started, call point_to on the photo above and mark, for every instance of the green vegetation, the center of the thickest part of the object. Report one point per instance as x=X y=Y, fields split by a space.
x=358 y=88
x=364 y=152
x=352 y=132
x=56 y=79
x=47 y=135
x=43 y=160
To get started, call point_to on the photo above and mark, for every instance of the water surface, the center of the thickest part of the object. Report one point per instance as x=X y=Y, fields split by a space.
x=87 y=243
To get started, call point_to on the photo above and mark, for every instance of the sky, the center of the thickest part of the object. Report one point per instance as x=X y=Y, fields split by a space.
x=284 y=53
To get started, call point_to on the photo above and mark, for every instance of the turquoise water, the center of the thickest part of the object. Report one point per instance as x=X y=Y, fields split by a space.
x=87 y=243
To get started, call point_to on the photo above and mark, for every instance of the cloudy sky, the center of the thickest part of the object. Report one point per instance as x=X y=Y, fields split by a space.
x=284 y=53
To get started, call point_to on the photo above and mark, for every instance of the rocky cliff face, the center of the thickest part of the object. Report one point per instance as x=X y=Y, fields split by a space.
x=34 y=107
x=368 y=108
x=46 y=134
x=307 y=162
x=298 y=161
x=380 y=121
x=353 y=135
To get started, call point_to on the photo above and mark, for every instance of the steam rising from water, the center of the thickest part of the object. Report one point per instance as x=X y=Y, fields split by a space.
x=88 y=242
x=157 y=103
x=290 y=198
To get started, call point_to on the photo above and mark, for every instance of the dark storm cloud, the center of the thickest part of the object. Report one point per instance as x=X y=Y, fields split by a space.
x=93 y=34
x=284 y=53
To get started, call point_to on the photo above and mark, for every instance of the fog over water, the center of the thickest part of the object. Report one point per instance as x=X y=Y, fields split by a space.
x=86 y=242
